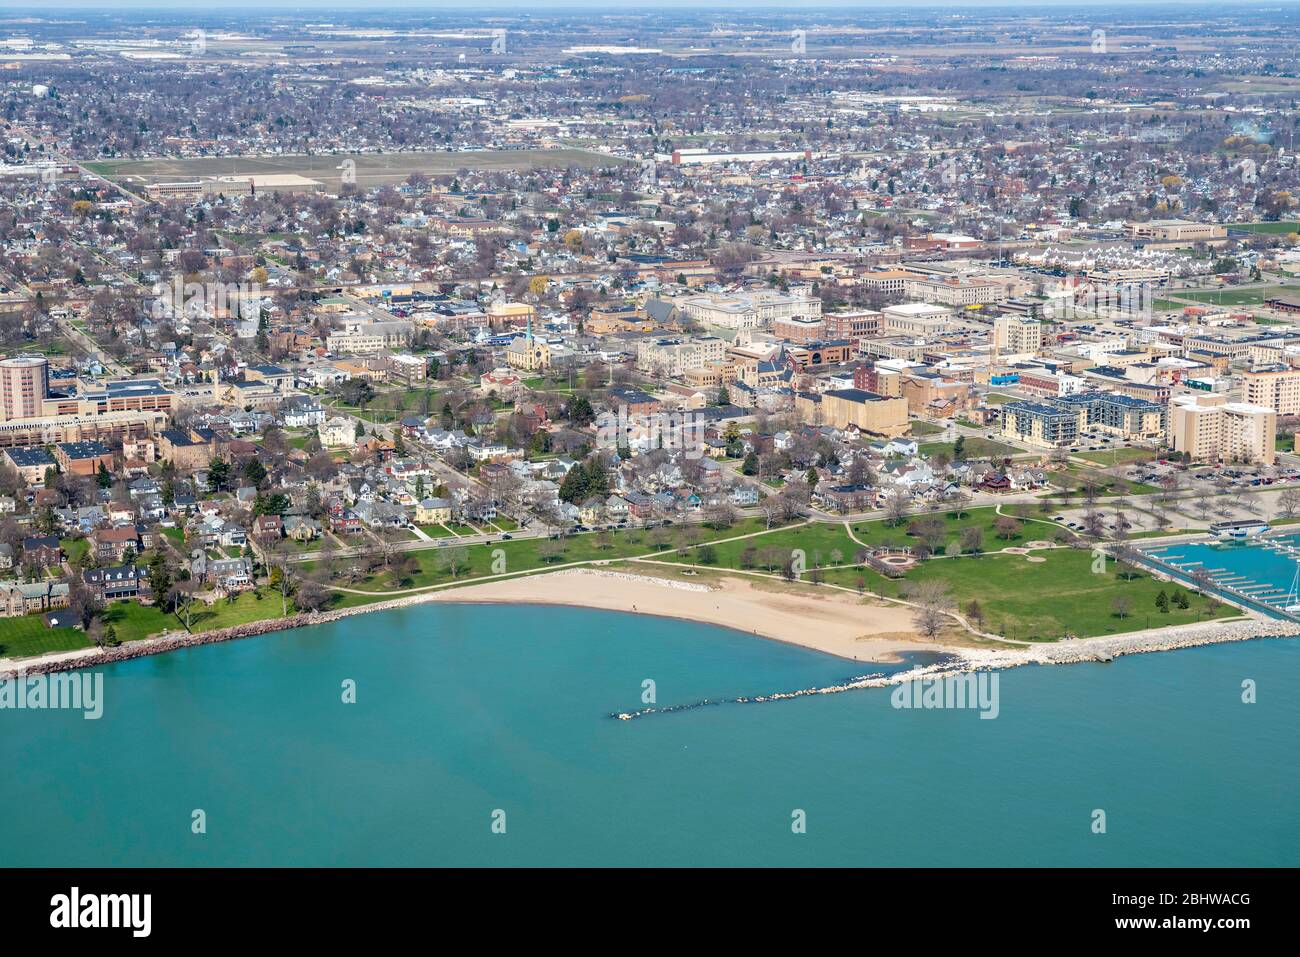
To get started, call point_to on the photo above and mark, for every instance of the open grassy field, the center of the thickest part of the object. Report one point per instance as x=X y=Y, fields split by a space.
x=27 y=635
x=1118 y=456
x=818 y=541
x=883 y=533
x=1280 y=228
x=973 y=448
x=429 y=566
x=1229 y=296
x=1073 y=478
x=392 y=405
x=371 y=170
x=919 y=428
x=1046 y=600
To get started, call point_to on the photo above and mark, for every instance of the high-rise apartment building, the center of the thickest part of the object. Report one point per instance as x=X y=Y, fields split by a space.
x=1209 y=428
x=24 y=386
x=1275 y=387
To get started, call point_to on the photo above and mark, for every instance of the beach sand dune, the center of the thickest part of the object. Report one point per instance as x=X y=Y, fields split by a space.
x=837 y=623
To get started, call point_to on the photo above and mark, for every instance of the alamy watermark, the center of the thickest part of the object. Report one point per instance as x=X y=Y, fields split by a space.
x=644 y=432
x=62 y=691
x=1122 y=300
x=212 y=299
x=974 y=690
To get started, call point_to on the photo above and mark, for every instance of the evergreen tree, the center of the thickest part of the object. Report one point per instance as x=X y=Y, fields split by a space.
x=255 y=472
x=160 y=578
x=597 y=477
x=218 y=475
x=580 y=411
x=574 y=486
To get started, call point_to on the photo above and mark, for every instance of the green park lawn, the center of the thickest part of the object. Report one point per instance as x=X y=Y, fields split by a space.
x=429 y=566
x=1044 y=600
x=881 y=533
x=817 y=540
x=133 y=621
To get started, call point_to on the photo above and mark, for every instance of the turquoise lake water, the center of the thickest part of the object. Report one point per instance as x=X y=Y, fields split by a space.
x=462 y=710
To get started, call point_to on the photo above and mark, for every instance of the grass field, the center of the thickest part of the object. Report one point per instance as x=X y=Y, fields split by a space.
x=429 y=566
x=371 y=170
x=817 y=541
x=974 y=448
x=391 y=405
x=1281 y=228
x=1237 y=297
x=1118 y=456
x=882 y=533
x=1045 y=600
x=1075 y=477
x=25 y=636
x=134 y=621
x=75 y=548
x=920 y=428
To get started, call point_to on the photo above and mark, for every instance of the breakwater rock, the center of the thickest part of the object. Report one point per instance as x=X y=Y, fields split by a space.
x=1078 y=651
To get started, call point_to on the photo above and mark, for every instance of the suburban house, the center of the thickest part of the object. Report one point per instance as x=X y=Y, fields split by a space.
x=336 y=432
x=301 y=528
x=109 y=545
x=25 y=598
x=268 y=527
x=116 y=583
x=433 y=511
x=42 y=551
x=230 y=573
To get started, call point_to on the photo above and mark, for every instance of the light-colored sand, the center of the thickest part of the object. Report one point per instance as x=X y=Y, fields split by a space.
x=835 y=622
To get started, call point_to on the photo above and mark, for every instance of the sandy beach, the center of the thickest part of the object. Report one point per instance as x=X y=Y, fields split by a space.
x=833 y=622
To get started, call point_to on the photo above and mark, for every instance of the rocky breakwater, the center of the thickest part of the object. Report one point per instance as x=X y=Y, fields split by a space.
x=1079 y=651
x=1161 y=639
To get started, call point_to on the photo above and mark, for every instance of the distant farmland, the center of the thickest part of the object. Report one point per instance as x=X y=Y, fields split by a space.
x=388 y=169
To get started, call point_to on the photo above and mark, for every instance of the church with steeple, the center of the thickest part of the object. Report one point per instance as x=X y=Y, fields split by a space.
x=527 y=352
